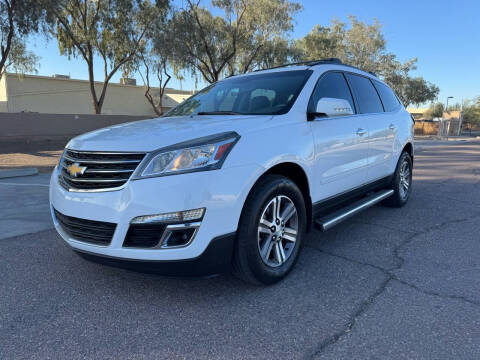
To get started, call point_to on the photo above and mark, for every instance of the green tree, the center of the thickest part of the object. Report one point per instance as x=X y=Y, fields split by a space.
x=471 y=113
x=109 y=30
x=235 y=40
x=274 y=52
x=435 y=110
x=158 y=59
x=19 y=59
x=323 y=42
x=18 y=19
x=414 y=91
x=206 y=42
x=264 y=39
x=363 y=45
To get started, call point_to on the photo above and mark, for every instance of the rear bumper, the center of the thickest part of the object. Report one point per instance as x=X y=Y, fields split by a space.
x=214 y=260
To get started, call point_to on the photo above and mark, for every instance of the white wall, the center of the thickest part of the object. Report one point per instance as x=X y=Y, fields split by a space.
x=68 y=96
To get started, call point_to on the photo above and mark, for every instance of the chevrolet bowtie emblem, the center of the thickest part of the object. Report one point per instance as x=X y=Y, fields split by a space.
x=75 y=169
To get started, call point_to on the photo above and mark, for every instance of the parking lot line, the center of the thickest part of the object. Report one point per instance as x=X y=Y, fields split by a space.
x=17 y=184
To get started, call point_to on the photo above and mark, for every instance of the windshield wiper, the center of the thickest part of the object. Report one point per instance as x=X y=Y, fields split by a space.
x=218 y=113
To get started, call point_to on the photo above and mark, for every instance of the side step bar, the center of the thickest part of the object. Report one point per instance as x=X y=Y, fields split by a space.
x=327 y=222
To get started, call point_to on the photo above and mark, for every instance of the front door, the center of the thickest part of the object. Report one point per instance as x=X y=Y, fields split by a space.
x=341 y=142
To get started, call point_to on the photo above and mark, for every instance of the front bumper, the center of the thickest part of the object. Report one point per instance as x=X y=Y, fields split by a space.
x=215 y=259
x=221 y=192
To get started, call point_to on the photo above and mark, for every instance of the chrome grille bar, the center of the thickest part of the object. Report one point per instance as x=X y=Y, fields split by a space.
x=108 y=171
x=88 y=161
x=96 y=180
x=97 y=171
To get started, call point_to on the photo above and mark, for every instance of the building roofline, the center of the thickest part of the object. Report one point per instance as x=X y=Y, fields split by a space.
x=44 y=77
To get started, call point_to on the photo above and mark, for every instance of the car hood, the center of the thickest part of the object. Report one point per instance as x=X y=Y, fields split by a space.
x=153 y=134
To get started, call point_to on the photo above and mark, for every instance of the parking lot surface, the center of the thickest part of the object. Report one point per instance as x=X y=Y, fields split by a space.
x=388 y=283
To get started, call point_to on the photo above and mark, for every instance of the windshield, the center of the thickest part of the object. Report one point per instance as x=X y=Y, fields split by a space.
x=259 y=94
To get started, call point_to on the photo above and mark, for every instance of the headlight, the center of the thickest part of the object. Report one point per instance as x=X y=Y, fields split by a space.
x=207 y=153
x=60 y=161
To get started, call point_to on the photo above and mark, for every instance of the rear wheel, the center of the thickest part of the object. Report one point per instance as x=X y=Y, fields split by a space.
x=270 y=231
x=401 y=182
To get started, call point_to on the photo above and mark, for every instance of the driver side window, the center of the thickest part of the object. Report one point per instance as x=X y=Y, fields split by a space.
x=331 y=85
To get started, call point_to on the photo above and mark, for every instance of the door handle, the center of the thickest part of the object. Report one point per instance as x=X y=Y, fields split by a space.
x=361 y=132
x=392 y=127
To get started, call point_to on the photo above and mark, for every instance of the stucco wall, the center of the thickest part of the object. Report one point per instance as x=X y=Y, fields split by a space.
x=29 y=126
x=69 y=96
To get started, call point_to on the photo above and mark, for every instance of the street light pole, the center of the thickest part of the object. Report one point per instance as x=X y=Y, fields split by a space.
x=446 y=108
x=444 y=120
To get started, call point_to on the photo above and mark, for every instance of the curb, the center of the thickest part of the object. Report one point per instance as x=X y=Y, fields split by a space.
x=10 y=173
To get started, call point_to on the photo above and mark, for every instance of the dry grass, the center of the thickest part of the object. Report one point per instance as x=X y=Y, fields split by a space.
x=45 y=161
x=426 y=128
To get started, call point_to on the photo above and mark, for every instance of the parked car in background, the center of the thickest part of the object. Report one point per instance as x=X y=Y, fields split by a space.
x=237 y=174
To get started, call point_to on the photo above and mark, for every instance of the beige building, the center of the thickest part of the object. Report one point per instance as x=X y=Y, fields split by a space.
x=62 y=95
x=417 y=113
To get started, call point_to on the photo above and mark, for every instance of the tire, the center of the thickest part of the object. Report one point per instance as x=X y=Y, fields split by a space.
x=399 y=182
x=255 y=237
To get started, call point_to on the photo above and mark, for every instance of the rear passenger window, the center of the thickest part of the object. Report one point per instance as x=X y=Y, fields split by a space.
x=331 y=85
x=367 y=97
x=390 y=101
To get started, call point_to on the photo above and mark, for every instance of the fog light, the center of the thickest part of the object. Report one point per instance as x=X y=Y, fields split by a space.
x=180 y=237
x=177 y=217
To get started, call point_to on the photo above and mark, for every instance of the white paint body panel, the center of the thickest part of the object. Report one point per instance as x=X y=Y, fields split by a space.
x=331 y=153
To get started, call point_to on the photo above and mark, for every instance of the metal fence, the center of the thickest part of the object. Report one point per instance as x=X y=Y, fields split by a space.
x=442 y=127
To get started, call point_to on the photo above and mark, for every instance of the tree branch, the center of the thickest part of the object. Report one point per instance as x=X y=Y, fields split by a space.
x=11 y=31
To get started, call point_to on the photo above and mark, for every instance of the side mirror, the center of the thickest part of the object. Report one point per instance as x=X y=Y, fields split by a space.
x=331 y=107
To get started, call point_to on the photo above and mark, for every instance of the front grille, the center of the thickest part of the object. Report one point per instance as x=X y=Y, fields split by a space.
x=99 y=170
x=93 y=232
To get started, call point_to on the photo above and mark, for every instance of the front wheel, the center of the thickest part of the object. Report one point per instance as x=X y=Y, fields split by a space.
x=401 y=182
x=270 y=231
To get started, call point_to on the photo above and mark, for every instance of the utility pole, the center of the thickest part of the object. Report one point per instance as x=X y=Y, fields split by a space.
x=460 y=119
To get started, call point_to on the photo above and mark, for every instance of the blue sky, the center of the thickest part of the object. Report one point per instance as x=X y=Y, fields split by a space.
x=443 y=35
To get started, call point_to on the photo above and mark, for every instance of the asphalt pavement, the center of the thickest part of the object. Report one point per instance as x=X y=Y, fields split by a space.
x=386 y=284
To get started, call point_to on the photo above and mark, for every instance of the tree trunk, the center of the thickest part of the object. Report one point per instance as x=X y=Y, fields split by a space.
x=11 y=30
x=102 y=97
x=97 y=108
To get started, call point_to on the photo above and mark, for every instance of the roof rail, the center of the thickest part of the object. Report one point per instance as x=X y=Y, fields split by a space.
x=308 y=63
x=335 y=61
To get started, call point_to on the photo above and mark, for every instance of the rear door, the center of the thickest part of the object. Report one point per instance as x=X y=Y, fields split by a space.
x=386 y=134
x=341 y=142
x=380 y=140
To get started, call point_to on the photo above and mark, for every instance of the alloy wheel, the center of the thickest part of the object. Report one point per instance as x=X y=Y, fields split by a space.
x=405 y=179
x=277 y=231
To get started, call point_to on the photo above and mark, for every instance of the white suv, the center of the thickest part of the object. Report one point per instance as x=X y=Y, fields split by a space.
x=237 y=174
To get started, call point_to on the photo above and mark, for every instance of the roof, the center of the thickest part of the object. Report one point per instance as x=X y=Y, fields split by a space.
x=304 y=65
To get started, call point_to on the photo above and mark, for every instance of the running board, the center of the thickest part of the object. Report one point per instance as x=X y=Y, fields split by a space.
x=327 y=222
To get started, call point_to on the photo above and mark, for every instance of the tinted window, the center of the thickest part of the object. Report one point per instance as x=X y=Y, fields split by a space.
x=271 y=93
x=367 y=97
x=331 y=85
x=390 y=101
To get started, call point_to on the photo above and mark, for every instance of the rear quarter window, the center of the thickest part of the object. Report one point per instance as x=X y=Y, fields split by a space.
x=390 y=101
x=365 y=93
